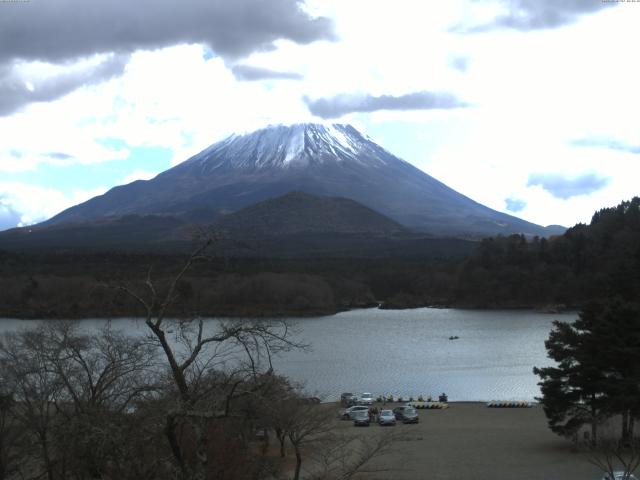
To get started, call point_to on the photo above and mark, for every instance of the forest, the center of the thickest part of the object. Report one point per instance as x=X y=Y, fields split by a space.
x=587 y=262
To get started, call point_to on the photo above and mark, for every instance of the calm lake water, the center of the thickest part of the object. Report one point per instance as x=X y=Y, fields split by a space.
x=408 y=352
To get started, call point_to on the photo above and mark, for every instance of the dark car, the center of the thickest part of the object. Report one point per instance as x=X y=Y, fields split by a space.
x=406 y=414
x=347 y=399
x=361 y=418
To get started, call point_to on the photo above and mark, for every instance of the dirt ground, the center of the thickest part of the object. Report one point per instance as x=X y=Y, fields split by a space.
x=470 y=441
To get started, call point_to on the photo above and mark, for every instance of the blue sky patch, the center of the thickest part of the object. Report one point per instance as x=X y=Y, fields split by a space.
x=67 y=178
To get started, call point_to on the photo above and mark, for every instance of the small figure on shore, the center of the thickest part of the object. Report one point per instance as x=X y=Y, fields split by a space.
x=443 y=398
x=375 y=413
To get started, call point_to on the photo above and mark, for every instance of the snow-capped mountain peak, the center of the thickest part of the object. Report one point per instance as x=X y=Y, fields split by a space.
x=324 y=160
x=292 y=146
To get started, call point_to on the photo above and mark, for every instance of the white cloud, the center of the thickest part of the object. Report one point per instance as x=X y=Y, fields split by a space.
x=532 y=95
x=32 y=204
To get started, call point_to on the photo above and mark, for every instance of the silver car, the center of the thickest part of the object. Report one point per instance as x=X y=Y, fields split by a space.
x=348 y=413
x=386 y=417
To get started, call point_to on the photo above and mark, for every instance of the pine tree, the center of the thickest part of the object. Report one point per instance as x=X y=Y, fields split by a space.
x=598 y=369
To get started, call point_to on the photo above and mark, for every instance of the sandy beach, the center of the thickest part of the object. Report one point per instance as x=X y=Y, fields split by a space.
x=470 y=441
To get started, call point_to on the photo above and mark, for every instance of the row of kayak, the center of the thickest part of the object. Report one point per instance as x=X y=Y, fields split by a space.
x=509 y=404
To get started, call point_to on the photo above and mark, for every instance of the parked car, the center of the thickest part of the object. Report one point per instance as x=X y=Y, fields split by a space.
x=365 y=399
x=361 y=418
x=406 y=414
x=347 y=413
x=386 y=417
x=347 y=399
x=619 y=475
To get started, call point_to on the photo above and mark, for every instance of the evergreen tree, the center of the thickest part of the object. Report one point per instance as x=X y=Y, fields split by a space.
x=572 y=392
x=598 y=369
x=616 y=325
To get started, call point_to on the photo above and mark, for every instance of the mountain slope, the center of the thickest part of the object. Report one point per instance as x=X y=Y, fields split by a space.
x=323 y=160
x=298 y=212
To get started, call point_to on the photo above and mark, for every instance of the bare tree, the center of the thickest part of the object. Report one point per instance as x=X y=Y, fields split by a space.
x=342 y=457
x=10 y=433
x=102 y=377
x=36 y=390
x=192 y=349
x=308 y=424
x=612 y=455
x=71 y=393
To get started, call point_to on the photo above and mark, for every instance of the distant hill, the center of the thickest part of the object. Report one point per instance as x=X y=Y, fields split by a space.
x=303 y=213
x=293 y=225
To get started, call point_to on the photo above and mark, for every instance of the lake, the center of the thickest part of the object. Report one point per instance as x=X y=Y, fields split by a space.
x=408 y=352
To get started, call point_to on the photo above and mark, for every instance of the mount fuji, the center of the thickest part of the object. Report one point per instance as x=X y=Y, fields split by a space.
x=322 y=160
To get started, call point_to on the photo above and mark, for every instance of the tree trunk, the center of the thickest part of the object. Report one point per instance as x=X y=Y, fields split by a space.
x=281 y=438
x=594 y=423
x=202 y=462
x=625 y=426
x=298 y=463
x=48 y=464
x=265 y=445
x=170 y=433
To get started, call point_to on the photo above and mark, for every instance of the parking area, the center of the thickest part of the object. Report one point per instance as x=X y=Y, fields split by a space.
x=470 y=441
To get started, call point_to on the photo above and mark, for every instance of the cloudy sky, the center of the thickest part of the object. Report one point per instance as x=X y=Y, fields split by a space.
x=527 y=106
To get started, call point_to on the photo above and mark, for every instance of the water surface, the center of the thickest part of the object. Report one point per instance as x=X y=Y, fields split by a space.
x=408 y=352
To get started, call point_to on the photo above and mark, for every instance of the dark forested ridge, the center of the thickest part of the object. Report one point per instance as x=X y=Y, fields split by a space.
x=587 y=262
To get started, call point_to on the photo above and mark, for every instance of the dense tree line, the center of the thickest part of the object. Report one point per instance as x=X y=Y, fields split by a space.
x=587 y=262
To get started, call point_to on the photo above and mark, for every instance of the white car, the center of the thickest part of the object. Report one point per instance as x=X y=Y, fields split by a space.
x=619 y=475
x=366 y=399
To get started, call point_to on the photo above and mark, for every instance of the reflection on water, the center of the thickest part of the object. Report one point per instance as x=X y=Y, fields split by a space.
x=408 y=352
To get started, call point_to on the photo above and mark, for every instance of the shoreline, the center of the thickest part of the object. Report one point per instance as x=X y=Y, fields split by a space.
x=281 y=314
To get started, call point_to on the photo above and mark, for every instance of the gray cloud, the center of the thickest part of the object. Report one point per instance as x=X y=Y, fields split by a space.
x=342 y=104
x=610 y=143
x=15 y=92
x=9 y=218
x=515 y=204
x=539 y=14
x=58 y=155
x=248 y=73
x=60 y=30
x=561 y=186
